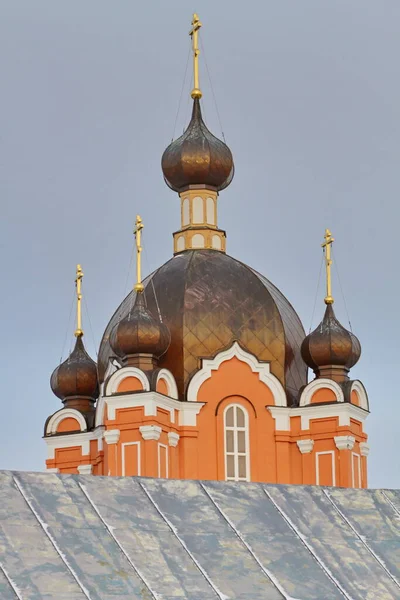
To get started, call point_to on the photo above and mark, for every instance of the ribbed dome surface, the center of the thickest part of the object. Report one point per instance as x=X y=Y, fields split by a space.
x=330 y=344
x=208 y=300
x=76 y=376
x=139 y=332
x=197 y=157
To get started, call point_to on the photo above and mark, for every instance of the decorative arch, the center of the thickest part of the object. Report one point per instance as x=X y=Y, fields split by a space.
x=65 y=413
x=318 y=384
x=361 y=392
x=262 y=369
x=169 y=379
x=117 y=378
x=245 y=401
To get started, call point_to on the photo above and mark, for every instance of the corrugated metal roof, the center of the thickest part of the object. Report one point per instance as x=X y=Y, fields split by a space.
x=75 y=537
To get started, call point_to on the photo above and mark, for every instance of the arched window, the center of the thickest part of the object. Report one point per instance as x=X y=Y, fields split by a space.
x=237 y=451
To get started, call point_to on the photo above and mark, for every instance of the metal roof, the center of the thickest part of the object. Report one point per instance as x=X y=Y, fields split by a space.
x=75 y=537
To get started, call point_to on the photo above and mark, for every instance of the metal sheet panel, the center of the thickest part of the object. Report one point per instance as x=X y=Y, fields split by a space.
x=70 y=537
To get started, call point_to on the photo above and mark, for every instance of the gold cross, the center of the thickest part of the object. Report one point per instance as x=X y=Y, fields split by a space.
x=327 y=246
x=194 y=34
x=78 y=284
x=139 y=287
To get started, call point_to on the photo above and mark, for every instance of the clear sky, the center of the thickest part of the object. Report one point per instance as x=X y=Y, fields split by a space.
x=309 y=99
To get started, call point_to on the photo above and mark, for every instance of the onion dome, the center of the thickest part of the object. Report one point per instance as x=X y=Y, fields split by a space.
x=208 y=300
x=75 y=380
x=138 y=334
x=330 y=350
x=197 y=158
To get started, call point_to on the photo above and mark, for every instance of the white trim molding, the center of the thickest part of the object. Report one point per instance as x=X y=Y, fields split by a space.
x=173 y=439
x=69 y=440
x=123 y=446
x=65 y=413
x=85 y=469
x=53 y=470
x=364 y=448
x=320 y=384
x=58 y=442
x=344 y=442
x=150 y=432
x=317 y=455
x=262 y=369
x=150 y=401
x=166 y=460
x=344 y=411
x=361 y=392
x=305 y=446
x=169 y=379
x=356 y=456
x=112 y=436
x=118 y=377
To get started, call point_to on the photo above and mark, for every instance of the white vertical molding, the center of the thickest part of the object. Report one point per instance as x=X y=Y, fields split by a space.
x=166 y=460
x=356 y=456
x=317 y=455
x=123 y=446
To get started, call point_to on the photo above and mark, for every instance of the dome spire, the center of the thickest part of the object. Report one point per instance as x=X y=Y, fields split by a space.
x=327 y=246
x=75 y=380
x=78 y=286
x=198 y=166
x=138 y=238
x=194 y=34
x=330 y=350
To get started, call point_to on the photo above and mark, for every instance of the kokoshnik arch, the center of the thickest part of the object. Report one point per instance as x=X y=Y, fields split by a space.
x=202 y=370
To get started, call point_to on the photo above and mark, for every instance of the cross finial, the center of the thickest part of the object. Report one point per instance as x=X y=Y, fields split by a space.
x=327 y=246
x=139 y=287
x=194 y=34
x=78 y=285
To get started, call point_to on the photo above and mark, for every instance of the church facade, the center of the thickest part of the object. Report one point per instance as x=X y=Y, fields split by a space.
x=203 y=368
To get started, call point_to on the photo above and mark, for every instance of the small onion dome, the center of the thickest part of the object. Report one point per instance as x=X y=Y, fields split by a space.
x=197 y=157
x=139 y=333
x=75 y=380
x=330 y=350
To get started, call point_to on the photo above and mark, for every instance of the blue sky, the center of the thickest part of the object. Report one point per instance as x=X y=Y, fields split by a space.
x=308 y=94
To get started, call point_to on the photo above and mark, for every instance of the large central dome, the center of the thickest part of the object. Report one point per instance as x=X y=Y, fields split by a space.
x=208 y=300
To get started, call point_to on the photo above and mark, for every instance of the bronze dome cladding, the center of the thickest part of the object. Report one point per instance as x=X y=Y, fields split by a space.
x=139 y=332
x=208 y=300
x=76 y=377
x=330 y=344
x=197 y=157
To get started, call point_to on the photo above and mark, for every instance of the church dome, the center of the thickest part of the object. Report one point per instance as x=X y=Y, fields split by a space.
x=76 y=377
x=208 y=300
x=197 y=157
x=139 y=333
x=330 y=344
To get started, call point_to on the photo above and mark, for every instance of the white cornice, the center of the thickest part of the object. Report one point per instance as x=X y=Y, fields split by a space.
x=364 y=449
x=262 y=369
x=150 y=432
x=112 y=436
x=344 y=411
x=173 y=438
x=305 y=446
x=344 y=442
x=85 y=469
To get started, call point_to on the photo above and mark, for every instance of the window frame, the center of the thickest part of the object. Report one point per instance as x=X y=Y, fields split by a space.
x=235 y=428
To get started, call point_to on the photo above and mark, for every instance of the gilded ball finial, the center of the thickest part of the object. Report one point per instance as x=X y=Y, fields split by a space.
x=196 y=93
